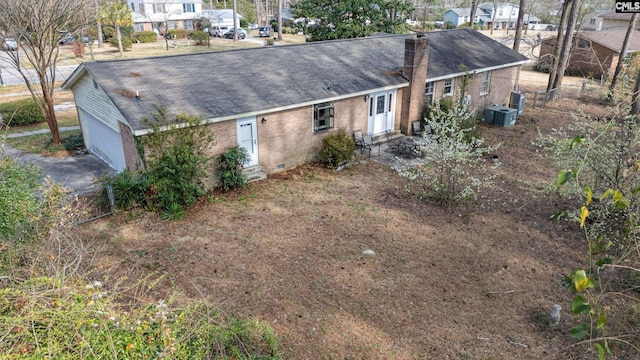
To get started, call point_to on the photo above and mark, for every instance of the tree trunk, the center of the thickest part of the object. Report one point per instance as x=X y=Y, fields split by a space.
x=119 y=38
x=625 y=46
x=493 y=18
x=474 y=7
x=235 y=25
x=567 y=44
x=553 y=68
x=518 y=37
x=635 y=98
x=280 y=19
x=98 y=23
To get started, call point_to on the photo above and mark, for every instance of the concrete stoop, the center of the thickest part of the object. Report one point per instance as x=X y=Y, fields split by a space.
x=254 y=173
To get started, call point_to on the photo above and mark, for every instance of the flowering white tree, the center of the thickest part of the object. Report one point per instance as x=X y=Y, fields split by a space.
x=453 y=150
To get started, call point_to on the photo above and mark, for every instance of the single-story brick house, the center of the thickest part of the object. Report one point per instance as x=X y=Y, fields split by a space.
x=595 y=53
x=280 y=101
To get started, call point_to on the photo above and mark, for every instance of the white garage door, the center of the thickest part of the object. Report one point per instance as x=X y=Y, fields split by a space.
x=103 y=141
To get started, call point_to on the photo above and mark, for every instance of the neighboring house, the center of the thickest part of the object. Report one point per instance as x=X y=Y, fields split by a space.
x=592 y=21
x=611 y=20
x=458 y=16
x=278 y=102
x=222 y=17
x=506 y=16
x=155 y=15
x=595 y=53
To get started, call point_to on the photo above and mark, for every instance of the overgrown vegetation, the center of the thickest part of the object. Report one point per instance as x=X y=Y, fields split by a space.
x=176 y=167
x=599 y=174
x=337 y=149
x=49 y=307
x=21 y=112
x=458 y=167
x=19 y=202
x=230 y=165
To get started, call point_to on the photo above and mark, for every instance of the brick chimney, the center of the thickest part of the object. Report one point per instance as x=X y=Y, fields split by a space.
x=416 y=57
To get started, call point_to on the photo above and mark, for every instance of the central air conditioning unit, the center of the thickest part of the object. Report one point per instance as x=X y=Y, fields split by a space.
x=505 y=117
x=500 y=115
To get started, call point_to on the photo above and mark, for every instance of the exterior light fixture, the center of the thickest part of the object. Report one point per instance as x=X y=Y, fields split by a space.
x=264 y=121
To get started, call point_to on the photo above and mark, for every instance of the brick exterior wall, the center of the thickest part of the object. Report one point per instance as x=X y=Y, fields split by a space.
x=287 y=139
x=501 y=83
x=593 y=62
x=131 y=156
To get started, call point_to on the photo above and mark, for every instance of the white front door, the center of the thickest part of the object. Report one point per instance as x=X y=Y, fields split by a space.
x=382 y=107
x=248 y=138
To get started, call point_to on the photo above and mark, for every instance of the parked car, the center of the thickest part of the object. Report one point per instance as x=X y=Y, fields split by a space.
x=241 y=34
x=218 y=30
x=66 y=37
x=265 y=31
x=10 y=44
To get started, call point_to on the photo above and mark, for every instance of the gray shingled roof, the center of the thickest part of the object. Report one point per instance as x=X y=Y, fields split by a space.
x=235 y=82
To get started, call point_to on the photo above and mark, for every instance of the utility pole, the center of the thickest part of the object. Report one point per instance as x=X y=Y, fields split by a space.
x=280 y=19
x=235 y=25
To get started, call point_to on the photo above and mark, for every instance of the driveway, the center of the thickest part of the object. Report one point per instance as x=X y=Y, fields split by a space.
x=77 y=173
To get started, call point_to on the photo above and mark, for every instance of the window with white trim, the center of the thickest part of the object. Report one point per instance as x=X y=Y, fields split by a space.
x=484 y=85
x=188 y=24
x=323 y=116
x=158 y=9
x=189 y=7
x=429 y=90
x=133 y=7
x=448 y=87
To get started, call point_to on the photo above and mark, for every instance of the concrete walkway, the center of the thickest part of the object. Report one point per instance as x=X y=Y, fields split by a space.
x=41 y=131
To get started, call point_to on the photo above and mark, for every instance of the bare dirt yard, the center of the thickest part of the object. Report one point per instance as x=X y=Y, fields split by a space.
x=476 y=281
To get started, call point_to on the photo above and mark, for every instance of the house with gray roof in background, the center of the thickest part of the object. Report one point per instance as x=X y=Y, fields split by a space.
x=595 y=53
x=278 y=102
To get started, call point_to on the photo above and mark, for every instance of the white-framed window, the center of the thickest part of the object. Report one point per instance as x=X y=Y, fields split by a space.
x=158 y=9
x=486 y=81
x=189 y=7
x=448 y=87
x=138 y=27
x=133 y=7
x=188 y=24
x=429 y=90
x=500 y=12
x=322 y=116
x=141 y=9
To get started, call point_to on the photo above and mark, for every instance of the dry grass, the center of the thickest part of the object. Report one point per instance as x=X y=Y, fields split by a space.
x=471 y=282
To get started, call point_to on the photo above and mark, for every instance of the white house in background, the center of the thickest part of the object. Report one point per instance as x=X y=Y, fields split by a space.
x=221 y=17
x=506 y=16
x=153 y=15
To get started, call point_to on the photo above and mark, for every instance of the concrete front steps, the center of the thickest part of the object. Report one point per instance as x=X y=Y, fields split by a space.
x=254 y=173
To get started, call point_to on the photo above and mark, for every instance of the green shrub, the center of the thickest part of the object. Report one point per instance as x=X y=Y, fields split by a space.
x=244 y=23
x=128 y=189
x=230 y=166
x=269 y=41
x=178 y=33
x=146 y=36
x=337 y=149
x=73 y=142
x=200 y=37
x=176 y=163
x=21 y=112
x=127 y=43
